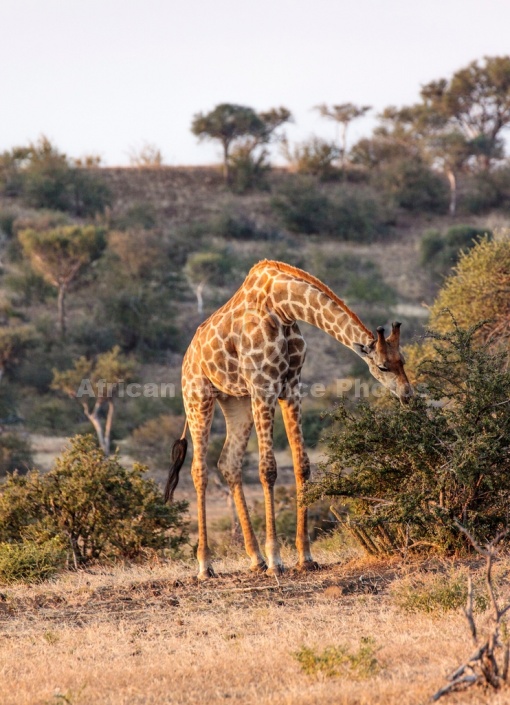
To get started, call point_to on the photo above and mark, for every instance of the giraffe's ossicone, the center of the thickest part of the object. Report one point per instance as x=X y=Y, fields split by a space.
x=248 y=357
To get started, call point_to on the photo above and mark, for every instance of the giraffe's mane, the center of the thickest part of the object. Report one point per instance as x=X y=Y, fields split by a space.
x=305 y=276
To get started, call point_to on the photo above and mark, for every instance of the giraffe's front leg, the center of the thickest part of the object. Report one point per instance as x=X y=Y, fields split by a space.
x=263 y=416
x=291 y=411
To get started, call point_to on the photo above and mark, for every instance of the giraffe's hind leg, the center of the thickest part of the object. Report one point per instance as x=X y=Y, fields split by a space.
x=200 y=413
x=239 y=421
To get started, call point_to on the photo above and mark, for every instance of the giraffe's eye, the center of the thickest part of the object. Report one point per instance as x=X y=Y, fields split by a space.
x=382 y=368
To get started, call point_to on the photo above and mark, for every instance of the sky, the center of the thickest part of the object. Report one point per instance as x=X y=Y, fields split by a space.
x=106 y=77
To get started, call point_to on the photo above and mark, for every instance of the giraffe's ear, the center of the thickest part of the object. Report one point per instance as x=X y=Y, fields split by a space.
x=362 y=350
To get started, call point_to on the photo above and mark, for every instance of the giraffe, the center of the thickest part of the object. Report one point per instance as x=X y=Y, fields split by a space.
x=248 y=356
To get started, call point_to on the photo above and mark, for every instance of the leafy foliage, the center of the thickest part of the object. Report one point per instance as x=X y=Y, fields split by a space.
x=413 y=186
x=478 y=290
x=60 y=254
x=438 y=592
x=93 y=505
x=15 y=340
x=314 y=157
x=48 y=179
x=476 y=100
x=139 y=282
x=414 y=470
x=95 y=384
x=440 y=253
x=339 y=660
x=15 y=453
x=248 y=170
x=304 y=208
x=487 y=191
x=241 y=127
x=31 y=561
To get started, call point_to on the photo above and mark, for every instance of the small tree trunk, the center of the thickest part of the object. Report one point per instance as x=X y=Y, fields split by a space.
x=108 y=427
x=226 y=165
x=94 y=420
x=200 y=299
x=453 y=192
x=344 y=144
x=61 y=308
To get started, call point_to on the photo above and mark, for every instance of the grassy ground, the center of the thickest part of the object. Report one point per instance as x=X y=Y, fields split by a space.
x=154 y=635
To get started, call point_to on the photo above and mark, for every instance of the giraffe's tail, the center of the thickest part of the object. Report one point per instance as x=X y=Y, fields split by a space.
x=179 y=449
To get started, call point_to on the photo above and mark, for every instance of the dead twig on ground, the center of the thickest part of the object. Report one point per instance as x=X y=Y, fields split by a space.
x=483 y=665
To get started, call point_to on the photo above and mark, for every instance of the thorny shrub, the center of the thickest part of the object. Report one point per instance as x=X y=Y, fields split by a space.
x=413 y=470
x=435 y=593
x=31 y=562
x=96 y=507
x=339 y=661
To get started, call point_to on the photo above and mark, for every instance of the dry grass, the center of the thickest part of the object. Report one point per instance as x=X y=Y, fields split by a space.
x=154 y=635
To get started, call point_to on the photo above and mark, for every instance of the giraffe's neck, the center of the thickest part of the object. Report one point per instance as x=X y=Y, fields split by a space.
x=293 y=299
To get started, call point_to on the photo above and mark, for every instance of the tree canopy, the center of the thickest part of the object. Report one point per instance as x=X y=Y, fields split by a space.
x=59 y=254
x=238 y=124
x=95 y=383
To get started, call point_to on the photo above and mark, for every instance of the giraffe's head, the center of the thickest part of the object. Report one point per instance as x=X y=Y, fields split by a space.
x=386 y=362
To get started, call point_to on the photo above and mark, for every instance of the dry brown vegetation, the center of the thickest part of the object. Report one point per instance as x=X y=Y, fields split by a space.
x=154 y=634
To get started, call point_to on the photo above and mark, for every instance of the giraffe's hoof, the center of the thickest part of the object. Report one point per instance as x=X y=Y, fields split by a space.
x=276 y=570
x=259 y=567
x=206 y=574
x=307 y=566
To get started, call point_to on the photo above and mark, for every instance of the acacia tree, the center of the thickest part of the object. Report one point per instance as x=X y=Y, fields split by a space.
x=60 y=254
x=476 y=101
x=420 y=134
x=95 y=384
x=343 y=115
x=452 y=151
x=238 y=125
x=478 y=289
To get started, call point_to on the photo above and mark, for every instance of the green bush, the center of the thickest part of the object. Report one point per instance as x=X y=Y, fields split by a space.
x=315 y=157
x=339 y=661
x=7 y=219
x=440 y=253
x=348 y=214
x=46 y=178
x=87 y=194
x=248 y=171
x=15 y=453
x=139 y=215
x=31 y=562
x=357 y=279
x=238 y=227
x=413 y=471
x=301 y=206
x=28 y=286
x=435 y=593
x=11 y=176
x=487 y=191
x=413 y=186
x=53 y=416
x=96 y=507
